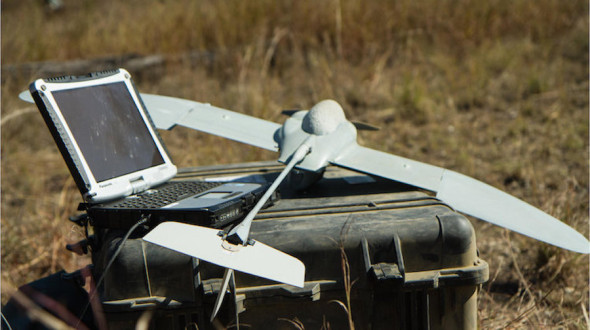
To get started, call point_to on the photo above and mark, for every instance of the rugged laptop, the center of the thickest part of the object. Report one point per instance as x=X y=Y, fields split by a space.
x=120 y=163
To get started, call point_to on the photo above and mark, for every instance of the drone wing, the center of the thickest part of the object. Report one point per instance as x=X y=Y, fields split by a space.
x=166 y=112
x=467 y=195
x=26 y=96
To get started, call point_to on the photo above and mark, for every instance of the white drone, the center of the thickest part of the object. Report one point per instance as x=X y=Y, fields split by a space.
x=312 y=140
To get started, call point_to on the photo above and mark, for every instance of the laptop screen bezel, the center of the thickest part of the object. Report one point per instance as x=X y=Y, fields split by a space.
x=95 y=191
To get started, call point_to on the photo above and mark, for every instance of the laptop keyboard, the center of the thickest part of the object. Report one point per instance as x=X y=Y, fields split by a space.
x=165 y=194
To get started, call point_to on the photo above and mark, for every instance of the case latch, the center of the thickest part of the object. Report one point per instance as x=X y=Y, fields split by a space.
x=387 y=271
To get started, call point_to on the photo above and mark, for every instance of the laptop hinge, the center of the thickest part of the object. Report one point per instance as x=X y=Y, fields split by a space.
x=138 y=185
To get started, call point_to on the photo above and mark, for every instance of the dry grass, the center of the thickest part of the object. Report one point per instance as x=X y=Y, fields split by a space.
x=497 y=90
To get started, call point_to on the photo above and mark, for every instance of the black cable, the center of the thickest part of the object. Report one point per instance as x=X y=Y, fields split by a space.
x=5 y=321
x=141 y=221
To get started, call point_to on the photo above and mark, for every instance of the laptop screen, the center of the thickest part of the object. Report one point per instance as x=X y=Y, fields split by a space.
x=108 y=129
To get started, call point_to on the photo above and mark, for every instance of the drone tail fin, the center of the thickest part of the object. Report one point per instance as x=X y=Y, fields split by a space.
x=206 y=244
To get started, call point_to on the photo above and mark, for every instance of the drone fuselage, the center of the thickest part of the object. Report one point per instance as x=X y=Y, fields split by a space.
x=326 y=144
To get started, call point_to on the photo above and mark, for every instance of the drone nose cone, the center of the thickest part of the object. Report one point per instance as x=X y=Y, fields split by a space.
x=323 y=118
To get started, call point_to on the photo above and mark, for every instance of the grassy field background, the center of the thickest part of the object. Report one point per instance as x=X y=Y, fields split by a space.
x=497 y=90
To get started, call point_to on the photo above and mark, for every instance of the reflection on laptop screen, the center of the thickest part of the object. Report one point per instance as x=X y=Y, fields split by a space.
x=108 y=129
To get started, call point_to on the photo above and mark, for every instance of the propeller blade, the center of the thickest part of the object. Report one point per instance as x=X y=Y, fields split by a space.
x=364 y=126
x=467 y=195
x=289 y=113
x=204 y=243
